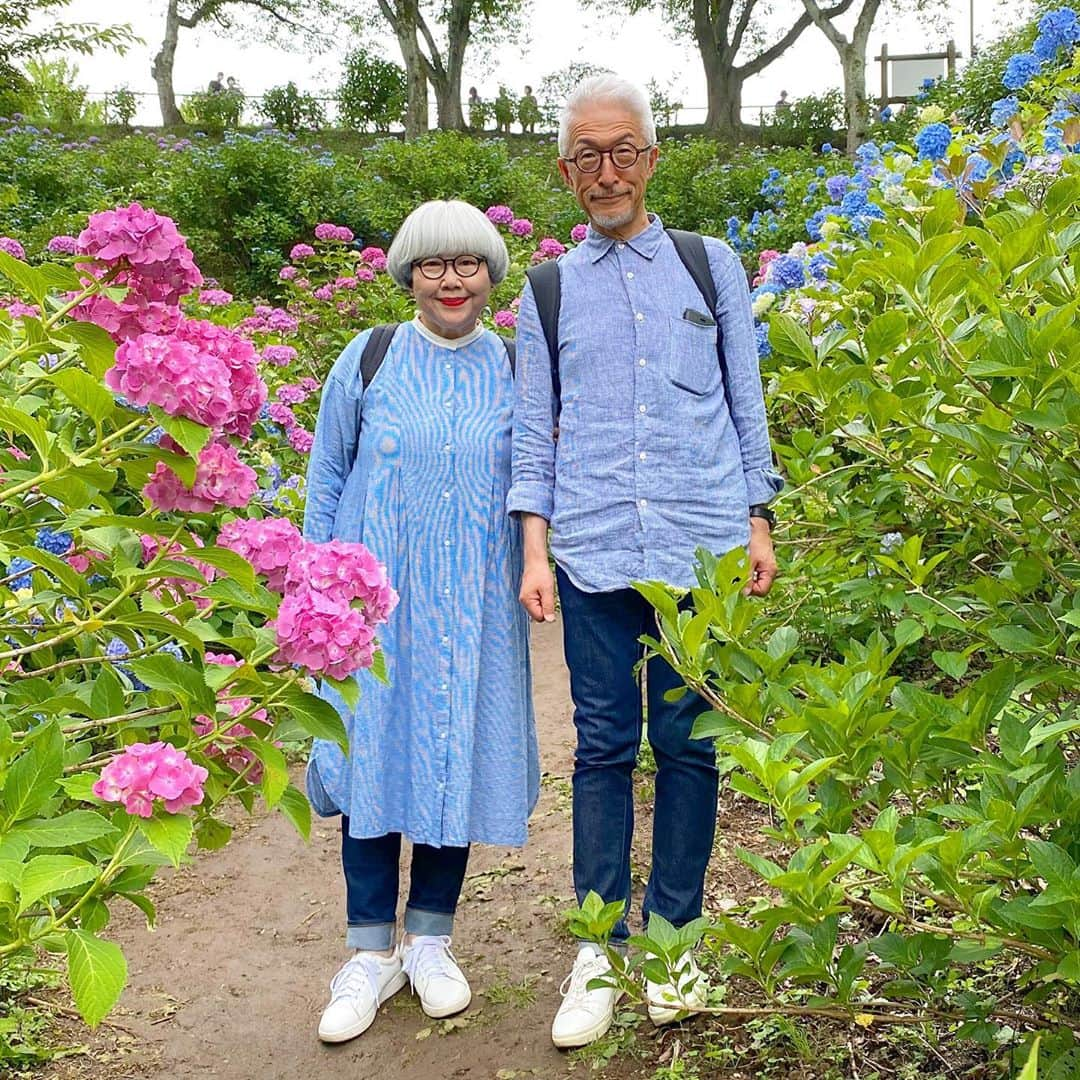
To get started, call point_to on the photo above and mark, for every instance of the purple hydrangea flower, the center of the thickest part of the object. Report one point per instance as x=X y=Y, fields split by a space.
x=836 y=186
x=12 y=247
x=522 y=227
x=499 y=215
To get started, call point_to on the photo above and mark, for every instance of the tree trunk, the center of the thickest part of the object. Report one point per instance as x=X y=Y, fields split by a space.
x=853 y=60
x=724 y=85
x=162 y=69
x=416 y=115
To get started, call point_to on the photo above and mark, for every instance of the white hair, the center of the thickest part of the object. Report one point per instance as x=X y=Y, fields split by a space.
x=446 y=227
x=613 y=90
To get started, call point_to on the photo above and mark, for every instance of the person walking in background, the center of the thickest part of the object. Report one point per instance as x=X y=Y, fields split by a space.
x=528 y=112
x=235 y=102
x=662 y=448
x=215 y=86
x=477 y=110
x=412 y=458
x=782 y=103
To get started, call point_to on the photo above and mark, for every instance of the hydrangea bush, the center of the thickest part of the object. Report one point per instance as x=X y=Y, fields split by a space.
x=162 y=616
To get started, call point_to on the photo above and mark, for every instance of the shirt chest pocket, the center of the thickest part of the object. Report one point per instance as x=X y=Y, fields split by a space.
x=693 y=363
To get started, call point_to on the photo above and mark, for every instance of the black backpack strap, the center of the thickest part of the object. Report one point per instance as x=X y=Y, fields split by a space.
x=511 y=355
x=546 y=285
x=375 y=350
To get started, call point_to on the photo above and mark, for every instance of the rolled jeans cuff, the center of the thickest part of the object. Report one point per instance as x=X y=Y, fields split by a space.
x=371 y=937
x=425 y=923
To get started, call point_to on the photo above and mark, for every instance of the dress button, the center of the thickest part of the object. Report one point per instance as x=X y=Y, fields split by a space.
x=446 y=686
x=446 y=639
x=446 y=494
x=448 y=404
x=446 y=591
x=620 y=246
x=448 y=448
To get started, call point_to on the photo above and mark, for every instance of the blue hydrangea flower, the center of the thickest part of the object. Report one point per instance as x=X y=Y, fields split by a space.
x=172 y=649
x=116 y=649
x=820 y=264
x=816 y=220
x=761 y=334
x=932 y=141
x=152 y=438
x=788 y=272
x=1003 y=110
x=888 y=147
x=23 y=581
x=980 y=167
x=812 y=187
x=886 y=114
x=836 y=186
x=820 y=170
x=827 y=148
x=868 y=153
x=1014 y=159
x=55 y=543
x=1020 y=70
x=1057 y=29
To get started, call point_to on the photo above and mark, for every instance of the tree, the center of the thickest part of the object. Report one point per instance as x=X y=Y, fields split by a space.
x=439 y=60
x=852 y=55
x=726 y=30
x=312 y=20
x=373 y=91
x=556 y=87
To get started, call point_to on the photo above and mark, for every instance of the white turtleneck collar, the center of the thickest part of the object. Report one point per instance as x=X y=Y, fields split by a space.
x=448 y=343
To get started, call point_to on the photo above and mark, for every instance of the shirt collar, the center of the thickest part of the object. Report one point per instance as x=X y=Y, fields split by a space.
x=645 y=243
x=448 y=343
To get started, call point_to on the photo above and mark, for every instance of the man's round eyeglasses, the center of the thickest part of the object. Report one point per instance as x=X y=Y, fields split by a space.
x=464 y=266
x=623 y=156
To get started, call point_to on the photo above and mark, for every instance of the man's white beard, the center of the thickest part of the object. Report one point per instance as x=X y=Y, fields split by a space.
x=613 y=221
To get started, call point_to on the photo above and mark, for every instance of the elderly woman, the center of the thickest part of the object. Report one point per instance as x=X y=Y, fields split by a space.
x=413 y=460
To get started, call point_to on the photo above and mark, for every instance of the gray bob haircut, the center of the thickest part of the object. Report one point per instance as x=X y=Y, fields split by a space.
x=610 y=89
x=449 y=227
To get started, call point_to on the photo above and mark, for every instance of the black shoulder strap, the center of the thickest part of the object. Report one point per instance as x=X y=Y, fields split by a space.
x=511 y=355
x=375 y=350
x=547 y=292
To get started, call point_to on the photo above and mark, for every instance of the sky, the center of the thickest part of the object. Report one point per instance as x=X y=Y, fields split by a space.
x=637 y=47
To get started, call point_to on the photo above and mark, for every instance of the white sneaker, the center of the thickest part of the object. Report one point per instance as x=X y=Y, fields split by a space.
x=364 y=982
x=435 y=976
x=688 y=991
x=584 y=1014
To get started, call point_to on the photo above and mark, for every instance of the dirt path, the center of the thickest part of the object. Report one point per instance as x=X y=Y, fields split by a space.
x=231 y=983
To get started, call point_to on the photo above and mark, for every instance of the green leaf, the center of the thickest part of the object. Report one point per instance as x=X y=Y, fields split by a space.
x=297 y=809
x=789 y=339
x=107 y=695
x=25 y=277
x=314 y=715
x=48 y=875
x=97 y=972
x=1030 y=1071
x=164 y=672
x=907 y=632
x=85 y=392
x=954 y=664
x=275 y=779
x=234 y=566
x=1017 y=639
x=15 y=420
x=96 y=348
x=74 y=827
x=32 y=780
x=191 y=436
x=884 y=333
x=170 y=834
x=212 y=834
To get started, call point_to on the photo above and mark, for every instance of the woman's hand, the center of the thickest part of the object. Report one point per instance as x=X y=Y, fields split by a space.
x=762 y=559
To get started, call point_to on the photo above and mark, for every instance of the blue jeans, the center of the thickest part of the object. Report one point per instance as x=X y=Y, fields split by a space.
x=371 y=888
x=600 y=636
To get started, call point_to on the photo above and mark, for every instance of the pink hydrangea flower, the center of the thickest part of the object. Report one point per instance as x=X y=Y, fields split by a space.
x=268 y=545
x=548 y=248
x=309 y=384
x=327 y=231
x=765 y=257
x=579 y=232
x=238 y=356
x=215 y=297
x=221 y=479
x=324 y=292
x=281 y=414
x=18 y=310
x=146 y=242
x=499 y=215
x=144 y=772
x=323 y=633
x=365 y=273
x=139 y=312
x=345 y=283
x=278 y=355
x=80 y=561
x=375 y=257
x=522 y=227
x=301 y=440
x=292 y=394
x=345 y=571
x=177 y=588
x=506 y=319
x=301 y=251
x=62 y=245
x=287 y=273
x=12 y=246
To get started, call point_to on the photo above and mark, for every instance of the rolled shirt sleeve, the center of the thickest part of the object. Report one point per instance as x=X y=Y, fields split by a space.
x=745 y=397
x=532 y=487
x=333 y=452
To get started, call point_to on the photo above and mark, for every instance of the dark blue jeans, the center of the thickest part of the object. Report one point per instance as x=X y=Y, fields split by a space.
x=600 y=635
x=371 y=888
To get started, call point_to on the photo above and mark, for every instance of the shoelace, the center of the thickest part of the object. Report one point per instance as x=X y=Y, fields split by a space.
x=357 y=972
x=427 y=958
x=575 y=987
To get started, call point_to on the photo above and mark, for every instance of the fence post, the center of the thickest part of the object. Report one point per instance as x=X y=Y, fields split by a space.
x=950 y=58
x=884 y=76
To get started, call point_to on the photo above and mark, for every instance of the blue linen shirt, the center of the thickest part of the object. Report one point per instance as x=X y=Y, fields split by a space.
x=650 y=462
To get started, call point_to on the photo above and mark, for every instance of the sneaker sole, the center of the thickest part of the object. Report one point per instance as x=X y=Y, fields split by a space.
x=451 y=1010
x=388 y=991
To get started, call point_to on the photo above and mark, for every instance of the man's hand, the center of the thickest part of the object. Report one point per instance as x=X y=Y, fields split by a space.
x=762 y=559
x=538 y=590
x=537 y=582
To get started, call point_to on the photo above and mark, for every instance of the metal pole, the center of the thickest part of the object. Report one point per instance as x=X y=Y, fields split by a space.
x=971 y=30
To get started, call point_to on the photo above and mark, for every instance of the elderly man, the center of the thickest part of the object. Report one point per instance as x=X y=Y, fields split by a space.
x=662 y=448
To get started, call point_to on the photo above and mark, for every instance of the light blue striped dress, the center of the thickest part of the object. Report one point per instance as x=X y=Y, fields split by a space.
x=446 y=755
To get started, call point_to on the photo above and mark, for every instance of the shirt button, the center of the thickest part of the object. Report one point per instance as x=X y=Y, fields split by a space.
x=620 y=246
x=446 y=686
x=442 y=734
x=630 y=276
x=641 y=362
x=641 y=408
x=446 y=542
x=642 y=455
x=449 y=367
x=448 y=448
x=643 y=503
x=446 y=591
x=446 y=639
x=638 y=315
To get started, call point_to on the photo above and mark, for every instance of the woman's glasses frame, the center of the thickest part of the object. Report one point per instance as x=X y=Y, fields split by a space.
x=434 y=266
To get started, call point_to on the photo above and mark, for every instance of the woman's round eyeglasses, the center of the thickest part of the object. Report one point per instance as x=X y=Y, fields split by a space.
x=434 y=267
x=623 y=156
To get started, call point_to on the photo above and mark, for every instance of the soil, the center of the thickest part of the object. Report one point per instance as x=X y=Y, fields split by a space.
x=231 y=983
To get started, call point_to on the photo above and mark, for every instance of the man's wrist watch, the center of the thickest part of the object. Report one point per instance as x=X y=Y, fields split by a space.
x=760 y=510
